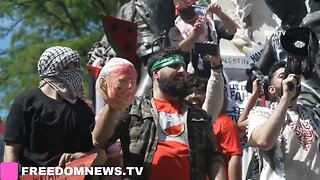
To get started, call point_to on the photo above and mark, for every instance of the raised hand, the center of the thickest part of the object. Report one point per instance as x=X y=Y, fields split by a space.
x=214 y=8
x=215 y=60
x=118 y=93
x=255 y=88
x=289 y=86
x=199 y=27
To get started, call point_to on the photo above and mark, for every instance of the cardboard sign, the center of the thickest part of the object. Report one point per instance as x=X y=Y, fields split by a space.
x=255 y=54
x=238 y=62
x=83 y=162
x=238 y=98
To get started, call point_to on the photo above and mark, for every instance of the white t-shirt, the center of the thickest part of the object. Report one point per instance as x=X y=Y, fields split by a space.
x=298 y=144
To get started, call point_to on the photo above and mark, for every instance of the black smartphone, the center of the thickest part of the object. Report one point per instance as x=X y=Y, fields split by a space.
x=206 y=48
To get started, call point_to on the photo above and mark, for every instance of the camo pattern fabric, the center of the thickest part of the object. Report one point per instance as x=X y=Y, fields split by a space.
x=137 y=131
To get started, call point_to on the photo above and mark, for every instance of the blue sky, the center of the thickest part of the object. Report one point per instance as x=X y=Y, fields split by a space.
x=5 y=42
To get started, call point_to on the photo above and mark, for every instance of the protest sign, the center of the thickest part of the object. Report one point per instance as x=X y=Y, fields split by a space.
x=238 y=98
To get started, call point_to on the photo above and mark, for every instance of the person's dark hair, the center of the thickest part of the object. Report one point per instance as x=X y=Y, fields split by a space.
x=277 y=65
x=164 y=53
x=274 y=68
x=195 y=82
x=187 y=13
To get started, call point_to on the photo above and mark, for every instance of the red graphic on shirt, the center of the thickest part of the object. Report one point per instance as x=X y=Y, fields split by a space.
x=174 y=130
x=304 y=132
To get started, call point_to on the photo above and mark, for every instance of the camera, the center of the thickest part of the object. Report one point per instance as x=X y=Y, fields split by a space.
x=254 y=73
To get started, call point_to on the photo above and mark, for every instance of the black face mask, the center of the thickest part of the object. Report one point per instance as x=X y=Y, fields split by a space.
x=187 y=13
x=167 y=86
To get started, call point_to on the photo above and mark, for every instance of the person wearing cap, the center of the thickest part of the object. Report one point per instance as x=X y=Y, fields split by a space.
x=160 y=131
x=49 y=125
x=196 y=23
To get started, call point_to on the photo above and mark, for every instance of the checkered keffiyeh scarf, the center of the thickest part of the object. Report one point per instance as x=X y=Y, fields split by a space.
x=52 y=70
x=100 y=53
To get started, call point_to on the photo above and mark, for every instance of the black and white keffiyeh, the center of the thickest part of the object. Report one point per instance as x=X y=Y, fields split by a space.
x=52 y=70
x=101 y=51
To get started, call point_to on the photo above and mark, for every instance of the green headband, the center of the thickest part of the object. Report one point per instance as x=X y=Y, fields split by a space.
x=166 y=61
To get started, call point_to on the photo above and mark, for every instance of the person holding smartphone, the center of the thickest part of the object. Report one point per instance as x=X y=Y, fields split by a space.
x=195 y=24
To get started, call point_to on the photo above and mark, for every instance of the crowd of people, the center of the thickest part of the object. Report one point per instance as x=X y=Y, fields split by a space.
x=179 y=129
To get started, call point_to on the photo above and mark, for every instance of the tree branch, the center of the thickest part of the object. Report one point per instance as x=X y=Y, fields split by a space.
x=101 y=4
x=13 y=26
x=55 y=16
x=72 y=21
x=3 y=52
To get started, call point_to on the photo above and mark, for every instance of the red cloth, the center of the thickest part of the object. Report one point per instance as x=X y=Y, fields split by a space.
x=171 y=159
x=227 y=137
x=2 y=128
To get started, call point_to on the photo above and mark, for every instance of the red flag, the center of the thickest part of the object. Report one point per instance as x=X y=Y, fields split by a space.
x=122 y=36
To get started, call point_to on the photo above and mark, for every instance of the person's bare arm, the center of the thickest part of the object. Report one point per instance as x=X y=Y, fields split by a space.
x=11 y=152
x=104 y=128
x=187 y=44
x=265 y=136
x=234 y=168
x=229 y=24
x=242 y=121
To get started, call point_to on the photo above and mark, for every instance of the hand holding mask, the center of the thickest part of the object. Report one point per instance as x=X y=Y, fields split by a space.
x=117 y=83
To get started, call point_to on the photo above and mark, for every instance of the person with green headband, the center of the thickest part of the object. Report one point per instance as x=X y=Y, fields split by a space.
x=160 y=131
x=166 y=61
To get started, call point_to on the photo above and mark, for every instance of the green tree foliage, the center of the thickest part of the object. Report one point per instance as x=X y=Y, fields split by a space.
x=38 y=24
